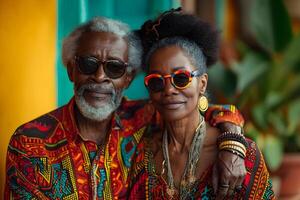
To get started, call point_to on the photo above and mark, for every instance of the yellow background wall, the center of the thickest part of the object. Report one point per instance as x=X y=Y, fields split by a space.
x=27 y=65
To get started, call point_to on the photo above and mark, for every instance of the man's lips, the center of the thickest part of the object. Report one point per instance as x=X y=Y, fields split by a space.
x=98 y=94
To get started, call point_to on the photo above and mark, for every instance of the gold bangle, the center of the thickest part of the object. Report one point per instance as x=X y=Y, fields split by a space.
x=231 y=142
x=236 y=148
x=243 y=149
x=232 y=146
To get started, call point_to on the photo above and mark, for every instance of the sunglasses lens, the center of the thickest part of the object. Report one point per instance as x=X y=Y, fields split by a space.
x=155 y=84
x=114 y=69
x=87 y=65
x=181 y=80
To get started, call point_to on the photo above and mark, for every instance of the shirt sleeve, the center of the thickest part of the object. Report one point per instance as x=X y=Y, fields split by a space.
x=257 y=183
x=216 y=114
x=20 y=172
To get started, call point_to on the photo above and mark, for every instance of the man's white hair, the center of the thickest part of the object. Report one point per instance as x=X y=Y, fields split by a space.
x=101 y=24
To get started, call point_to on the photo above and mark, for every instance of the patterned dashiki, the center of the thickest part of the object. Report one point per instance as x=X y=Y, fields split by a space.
x=147 y=184
x=48 y=159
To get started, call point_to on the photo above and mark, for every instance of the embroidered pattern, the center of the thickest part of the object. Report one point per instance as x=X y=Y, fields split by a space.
x=47 y=159
x=146 y=184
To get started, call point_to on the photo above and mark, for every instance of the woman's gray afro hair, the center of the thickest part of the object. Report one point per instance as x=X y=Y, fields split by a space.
x=101 y=24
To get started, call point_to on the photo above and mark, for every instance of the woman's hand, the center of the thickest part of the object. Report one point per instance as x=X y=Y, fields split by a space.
x=229 y=169
x=228 y=175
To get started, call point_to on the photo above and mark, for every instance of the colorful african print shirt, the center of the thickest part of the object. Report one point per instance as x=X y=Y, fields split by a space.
x=47 y=158
x=147 y=184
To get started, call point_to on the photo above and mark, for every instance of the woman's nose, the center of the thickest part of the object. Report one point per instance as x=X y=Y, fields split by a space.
x=169 y=88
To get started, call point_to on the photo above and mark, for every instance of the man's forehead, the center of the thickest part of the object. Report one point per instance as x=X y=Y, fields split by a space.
x=101 y=36
x=102 y=40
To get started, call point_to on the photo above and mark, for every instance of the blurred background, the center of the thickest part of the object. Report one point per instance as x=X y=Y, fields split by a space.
x=259 y=67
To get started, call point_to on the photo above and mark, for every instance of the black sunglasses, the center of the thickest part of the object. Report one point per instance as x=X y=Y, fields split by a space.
x=89 y=65
x=180 y=79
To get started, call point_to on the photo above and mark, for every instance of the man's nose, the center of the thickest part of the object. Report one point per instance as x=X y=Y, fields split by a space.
x=99 y=75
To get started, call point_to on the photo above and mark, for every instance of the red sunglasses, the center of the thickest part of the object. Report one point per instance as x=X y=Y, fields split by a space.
x=180 y=79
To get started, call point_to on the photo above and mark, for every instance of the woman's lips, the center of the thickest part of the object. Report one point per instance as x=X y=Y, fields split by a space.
x=172 y=105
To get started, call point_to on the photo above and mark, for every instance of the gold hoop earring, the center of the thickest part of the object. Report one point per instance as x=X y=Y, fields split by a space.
x=202 y=103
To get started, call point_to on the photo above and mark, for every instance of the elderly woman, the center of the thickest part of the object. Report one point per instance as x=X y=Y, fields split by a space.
x=176 y=160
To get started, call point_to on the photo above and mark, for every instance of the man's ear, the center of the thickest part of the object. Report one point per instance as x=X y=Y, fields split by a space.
x=70 y=70
x=203 y=79
x=129 y=77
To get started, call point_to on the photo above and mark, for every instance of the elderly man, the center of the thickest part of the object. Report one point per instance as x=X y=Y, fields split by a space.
x=84 y=150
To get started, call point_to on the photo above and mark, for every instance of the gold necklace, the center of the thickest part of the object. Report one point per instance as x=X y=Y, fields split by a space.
x=188 y=177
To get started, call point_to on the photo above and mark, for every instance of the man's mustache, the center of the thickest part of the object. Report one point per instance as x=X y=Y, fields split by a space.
x=101 y=88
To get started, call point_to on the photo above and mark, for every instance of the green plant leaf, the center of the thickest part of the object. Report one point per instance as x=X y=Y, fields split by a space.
x=293 y=116
x=249 y=70
x=273 y=98
x=277 y=121
x=251 y=132
x=259 y=113
x=291 y=90
x=273 y=152
x=222 y=80
x=291 y=57
x=270 y=23
x=286 y=91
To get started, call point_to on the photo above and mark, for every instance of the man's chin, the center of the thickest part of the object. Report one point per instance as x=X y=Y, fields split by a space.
x=97 y=102
x=96 y=110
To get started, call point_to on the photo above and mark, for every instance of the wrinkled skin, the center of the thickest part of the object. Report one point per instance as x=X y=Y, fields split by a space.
x=229 y=168
x=104 y=46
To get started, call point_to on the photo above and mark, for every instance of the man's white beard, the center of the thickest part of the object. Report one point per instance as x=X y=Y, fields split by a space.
x=97 y=113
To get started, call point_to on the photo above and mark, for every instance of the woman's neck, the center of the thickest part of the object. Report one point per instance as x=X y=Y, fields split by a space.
x=181 y=132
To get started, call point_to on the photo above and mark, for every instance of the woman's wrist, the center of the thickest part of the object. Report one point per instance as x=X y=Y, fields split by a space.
x=232 y=142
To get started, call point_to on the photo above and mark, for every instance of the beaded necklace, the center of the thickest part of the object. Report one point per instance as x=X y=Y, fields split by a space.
x=188 y=177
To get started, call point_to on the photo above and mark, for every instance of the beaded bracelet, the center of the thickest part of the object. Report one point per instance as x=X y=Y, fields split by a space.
x=230 y=136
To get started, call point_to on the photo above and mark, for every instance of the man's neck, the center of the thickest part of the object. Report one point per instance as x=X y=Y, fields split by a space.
x=91 y=130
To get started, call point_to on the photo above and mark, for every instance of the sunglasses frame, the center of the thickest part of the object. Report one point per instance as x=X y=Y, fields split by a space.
x=99 y=63
x=189 y=74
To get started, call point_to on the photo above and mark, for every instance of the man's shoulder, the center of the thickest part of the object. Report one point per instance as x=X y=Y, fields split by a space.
x=41 y=127
x=133 y=103
x=131 y=108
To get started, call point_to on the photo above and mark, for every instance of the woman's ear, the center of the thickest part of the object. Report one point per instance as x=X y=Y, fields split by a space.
x=203 y=79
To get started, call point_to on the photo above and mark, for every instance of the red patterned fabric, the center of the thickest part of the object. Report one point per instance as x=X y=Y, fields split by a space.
x=147 y=184
x=47 y=158
x=216 y=114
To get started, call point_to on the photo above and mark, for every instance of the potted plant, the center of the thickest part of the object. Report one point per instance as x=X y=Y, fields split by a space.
x=265 y=84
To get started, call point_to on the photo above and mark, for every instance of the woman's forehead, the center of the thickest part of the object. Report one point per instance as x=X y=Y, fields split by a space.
x=169 y=58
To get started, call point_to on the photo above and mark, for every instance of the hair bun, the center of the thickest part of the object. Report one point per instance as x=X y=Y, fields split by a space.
x=175 y=23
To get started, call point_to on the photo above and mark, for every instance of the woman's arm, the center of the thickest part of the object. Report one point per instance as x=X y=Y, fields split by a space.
x=229 y=170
